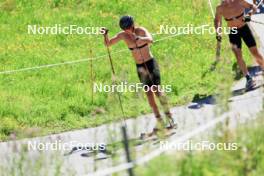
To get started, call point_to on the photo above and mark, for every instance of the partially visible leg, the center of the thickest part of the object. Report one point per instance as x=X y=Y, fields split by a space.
x=152 y=103
x=251 y=43
x=236 y=44
x=259 y=58
x=241 y=63
x=165 y=103
x=163 y=99
x=155 y=87
x=143 y=76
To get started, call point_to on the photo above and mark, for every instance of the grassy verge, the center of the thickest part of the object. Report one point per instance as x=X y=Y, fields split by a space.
x=246 y=160
x=59 y=99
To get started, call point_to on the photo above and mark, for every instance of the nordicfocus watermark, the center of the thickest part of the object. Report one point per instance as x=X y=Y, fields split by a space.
x=198 y=146
x=125 y=87
x=57 y=29
x=64 y=146
x=197 y=30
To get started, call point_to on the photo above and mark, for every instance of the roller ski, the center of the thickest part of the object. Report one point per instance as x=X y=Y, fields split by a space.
x=162 y=130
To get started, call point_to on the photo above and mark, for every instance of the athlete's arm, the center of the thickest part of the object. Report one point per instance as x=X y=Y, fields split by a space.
x=113 y=40
x=146 y=39
x=218 y=22
x=248 y=5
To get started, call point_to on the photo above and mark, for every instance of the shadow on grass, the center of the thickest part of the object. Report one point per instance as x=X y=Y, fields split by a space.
x=199 y=100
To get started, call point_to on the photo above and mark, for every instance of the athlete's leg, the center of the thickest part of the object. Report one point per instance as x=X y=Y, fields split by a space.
x=152 y=103
x=250 y=41
x=236 y=44
x=151 y=99
x=239 y=57
x=143 y=76
x=165 y=104
x=162 y=98
x=155 y=85
x=242 y=65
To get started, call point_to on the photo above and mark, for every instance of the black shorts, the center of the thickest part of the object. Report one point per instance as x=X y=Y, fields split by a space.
x=149 y=73
x=245 y=34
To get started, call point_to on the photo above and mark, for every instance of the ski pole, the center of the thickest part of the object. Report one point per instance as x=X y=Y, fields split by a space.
x=91 y=75
x=113 y=72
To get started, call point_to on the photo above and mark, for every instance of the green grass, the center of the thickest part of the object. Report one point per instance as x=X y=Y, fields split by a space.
x=59 y=99
x=247 y=160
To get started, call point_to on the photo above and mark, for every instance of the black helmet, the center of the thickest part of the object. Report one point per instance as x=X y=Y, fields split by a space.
x=126 y=22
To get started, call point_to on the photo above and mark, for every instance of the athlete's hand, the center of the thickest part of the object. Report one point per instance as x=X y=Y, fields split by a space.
x=104 y=31
x=138 y=38
x=254 y=9
x=219 y=38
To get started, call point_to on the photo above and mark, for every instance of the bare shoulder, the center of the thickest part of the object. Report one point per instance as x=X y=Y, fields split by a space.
x=244 y=2
x=219 y=9
x=121 y=34
x=141 y=30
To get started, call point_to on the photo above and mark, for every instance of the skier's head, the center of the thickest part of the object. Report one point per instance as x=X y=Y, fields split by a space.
x=227 y=2
x=126 y=22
